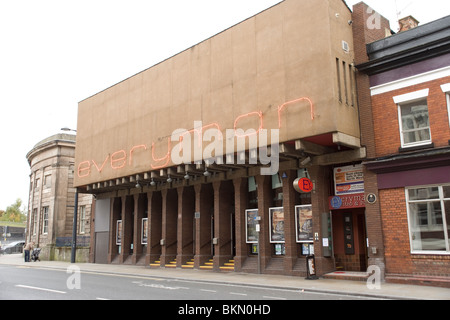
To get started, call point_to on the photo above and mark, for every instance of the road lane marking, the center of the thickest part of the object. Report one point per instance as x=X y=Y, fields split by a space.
x=212 y=291
x=40 y=289
x=238 y=294
x=274 y=298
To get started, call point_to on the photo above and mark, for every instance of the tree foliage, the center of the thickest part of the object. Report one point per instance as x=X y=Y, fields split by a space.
x=14 y=213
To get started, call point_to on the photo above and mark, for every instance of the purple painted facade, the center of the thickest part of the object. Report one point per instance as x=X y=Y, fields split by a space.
x=419 y=177
x=410 y=70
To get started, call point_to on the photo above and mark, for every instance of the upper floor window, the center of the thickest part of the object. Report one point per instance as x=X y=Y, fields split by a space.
x=413 y=119
x=446 y=90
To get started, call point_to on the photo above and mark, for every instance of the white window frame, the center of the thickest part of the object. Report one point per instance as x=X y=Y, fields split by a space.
x=35 y=221
x=446 y=89
x=45 y=219
x=406 y=99
x=444 y=222
x=82 y=227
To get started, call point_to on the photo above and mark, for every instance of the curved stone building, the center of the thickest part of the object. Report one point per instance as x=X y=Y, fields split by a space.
x=51 y=200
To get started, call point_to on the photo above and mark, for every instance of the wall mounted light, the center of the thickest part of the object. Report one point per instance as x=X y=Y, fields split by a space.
x=207 y=173
x=169 y=179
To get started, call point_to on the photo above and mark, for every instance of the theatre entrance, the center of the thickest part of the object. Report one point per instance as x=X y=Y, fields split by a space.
x=349 y=239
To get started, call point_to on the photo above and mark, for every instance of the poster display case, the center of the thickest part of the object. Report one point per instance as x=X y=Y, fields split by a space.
x=276 y=218
x=304 y=224
x=144 y=235
x=119 y=233
x=251 y=218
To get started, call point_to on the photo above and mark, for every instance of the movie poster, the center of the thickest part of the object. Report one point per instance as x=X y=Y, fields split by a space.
x=144 y=231
x=276 y=216
x=303 y=222
x=251 y=218
x=119 y=233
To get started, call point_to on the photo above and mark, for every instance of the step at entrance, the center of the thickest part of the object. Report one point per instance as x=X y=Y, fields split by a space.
x=208 y=265
x=188 y=265
x=228 y=266
x=155 y=264
x=171 y=264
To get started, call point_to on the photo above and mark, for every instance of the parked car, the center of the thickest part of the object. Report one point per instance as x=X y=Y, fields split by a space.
x=13 y=247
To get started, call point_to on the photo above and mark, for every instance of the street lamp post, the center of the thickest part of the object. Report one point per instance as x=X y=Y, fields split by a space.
x=74 y=229
x=73 y=255
x=68 y=129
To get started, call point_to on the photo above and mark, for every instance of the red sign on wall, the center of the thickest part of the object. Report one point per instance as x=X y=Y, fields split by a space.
x=347 y=201
x=303 y=185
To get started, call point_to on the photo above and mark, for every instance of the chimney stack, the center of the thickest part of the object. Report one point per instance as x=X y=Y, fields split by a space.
x=408 y=23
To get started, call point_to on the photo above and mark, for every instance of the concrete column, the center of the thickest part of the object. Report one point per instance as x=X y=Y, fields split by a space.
x=140 y=206
x=155 y=227
x=289 y=221
x=319 y=199
x=185 y=233
x=240 y=203
x=264 y=203
x=127 y=227
x=169 y=225
x=204 y=205
x=116 y=214
x=223 y=210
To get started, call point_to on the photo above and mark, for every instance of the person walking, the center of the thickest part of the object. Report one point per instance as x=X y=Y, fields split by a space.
x=27 y=249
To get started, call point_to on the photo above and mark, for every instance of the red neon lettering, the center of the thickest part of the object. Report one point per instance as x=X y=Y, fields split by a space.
x=84 y=167
x=200 y=132
x=121 y=160
x=103 y=165
x=118 y=160
x=135 y=148
x=166 y=158
x=259 y=114
x=280 y=108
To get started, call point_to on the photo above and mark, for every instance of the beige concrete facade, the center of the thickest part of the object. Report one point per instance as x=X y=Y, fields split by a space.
x=276 y=70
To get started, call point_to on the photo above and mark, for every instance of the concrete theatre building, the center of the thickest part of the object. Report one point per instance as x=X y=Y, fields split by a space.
x=266 y=103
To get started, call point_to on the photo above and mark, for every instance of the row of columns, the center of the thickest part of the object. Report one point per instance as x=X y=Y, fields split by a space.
x=176 y=231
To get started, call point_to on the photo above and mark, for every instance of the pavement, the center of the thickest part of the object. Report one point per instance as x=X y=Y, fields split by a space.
x=330 y=286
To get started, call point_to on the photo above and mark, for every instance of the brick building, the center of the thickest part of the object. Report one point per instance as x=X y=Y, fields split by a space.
x=406 y=129
x=51 y=200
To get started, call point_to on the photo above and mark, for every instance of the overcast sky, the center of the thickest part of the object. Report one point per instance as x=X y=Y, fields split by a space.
x=55 y=53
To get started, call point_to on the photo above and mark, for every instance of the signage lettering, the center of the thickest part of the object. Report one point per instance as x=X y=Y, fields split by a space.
x=347 y=201
x=123 y=158
x=303 y=185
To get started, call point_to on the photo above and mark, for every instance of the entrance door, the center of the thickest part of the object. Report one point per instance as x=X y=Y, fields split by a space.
x=349 y=239
x=102 y=232
x=101 y=247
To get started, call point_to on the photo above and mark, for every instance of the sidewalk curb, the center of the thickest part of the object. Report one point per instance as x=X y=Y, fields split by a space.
x=301 y=289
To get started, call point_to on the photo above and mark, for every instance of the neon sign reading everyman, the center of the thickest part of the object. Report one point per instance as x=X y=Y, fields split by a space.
x=122 y=158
